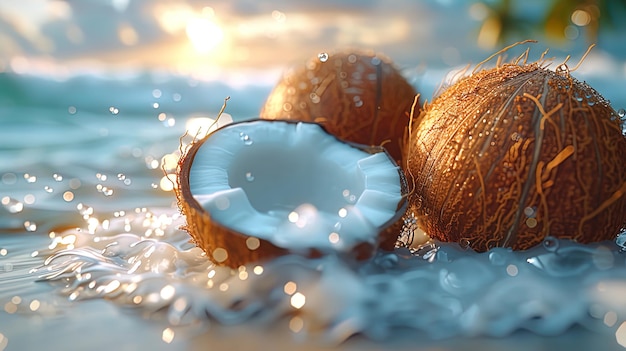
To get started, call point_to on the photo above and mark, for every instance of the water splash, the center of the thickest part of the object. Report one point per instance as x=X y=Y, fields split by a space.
x=440 y=289
x=30 y=226
x=30 y=178
x=12 y=205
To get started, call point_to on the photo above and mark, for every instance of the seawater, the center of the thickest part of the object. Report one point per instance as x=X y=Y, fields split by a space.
x=142 y=260
x=86 y=216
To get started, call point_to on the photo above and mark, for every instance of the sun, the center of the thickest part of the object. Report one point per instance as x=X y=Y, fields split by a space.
x=204 y=34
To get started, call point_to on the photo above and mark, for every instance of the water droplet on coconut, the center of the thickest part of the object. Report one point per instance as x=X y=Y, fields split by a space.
x=314 y=98
x=249 y=176
x=245 y=138
x=222 y=203
x=621 y=241
x=48 y=189
x=496 y=258
x=512 y=270
x=530 y=211
x=551 y=243
x=57 y=177
x=531 y=222
x=323 y=56
x=562 y=70
x=464 y=243
x=622 y=116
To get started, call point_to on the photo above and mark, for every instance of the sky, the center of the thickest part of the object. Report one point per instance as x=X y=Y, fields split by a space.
x=190 y=33
x=203 y=37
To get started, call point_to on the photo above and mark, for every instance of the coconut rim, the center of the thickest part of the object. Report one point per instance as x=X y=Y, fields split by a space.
x=385 y=235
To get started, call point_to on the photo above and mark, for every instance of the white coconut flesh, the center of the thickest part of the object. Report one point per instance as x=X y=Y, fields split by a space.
x=294 y=185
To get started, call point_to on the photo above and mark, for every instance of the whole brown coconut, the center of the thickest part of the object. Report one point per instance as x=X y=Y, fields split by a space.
x=510 y=155
x=357 y=96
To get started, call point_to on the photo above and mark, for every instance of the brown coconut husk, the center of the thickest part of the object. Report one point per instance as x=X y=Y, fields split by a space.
x=357 y=95
x=222 y=245
x=509 y=155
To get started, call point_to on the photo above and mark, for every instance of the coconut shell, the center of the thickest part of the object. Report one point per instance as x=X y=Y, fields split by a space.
x=221 y=244
x=357 y=96
x=512 y=154
x=228 y=247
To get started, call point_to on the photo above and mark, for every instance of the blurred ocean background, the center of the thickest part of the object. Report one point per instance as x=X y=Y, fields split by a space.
x=95 y=94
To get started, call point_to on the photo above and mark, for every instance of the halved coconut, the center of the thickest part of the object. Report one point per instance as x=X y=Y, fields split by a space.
x=257 y=189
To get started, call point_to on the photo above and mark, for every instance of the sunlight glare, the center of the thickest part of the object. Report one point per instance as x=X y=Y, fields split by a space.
x=204 y=34
x=173 y=17
x=199 y=127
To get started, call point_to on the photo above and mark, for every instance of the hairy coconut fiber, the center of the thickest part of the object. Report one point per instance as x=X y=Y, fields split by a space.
x=358 y=96
x=510 y=155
